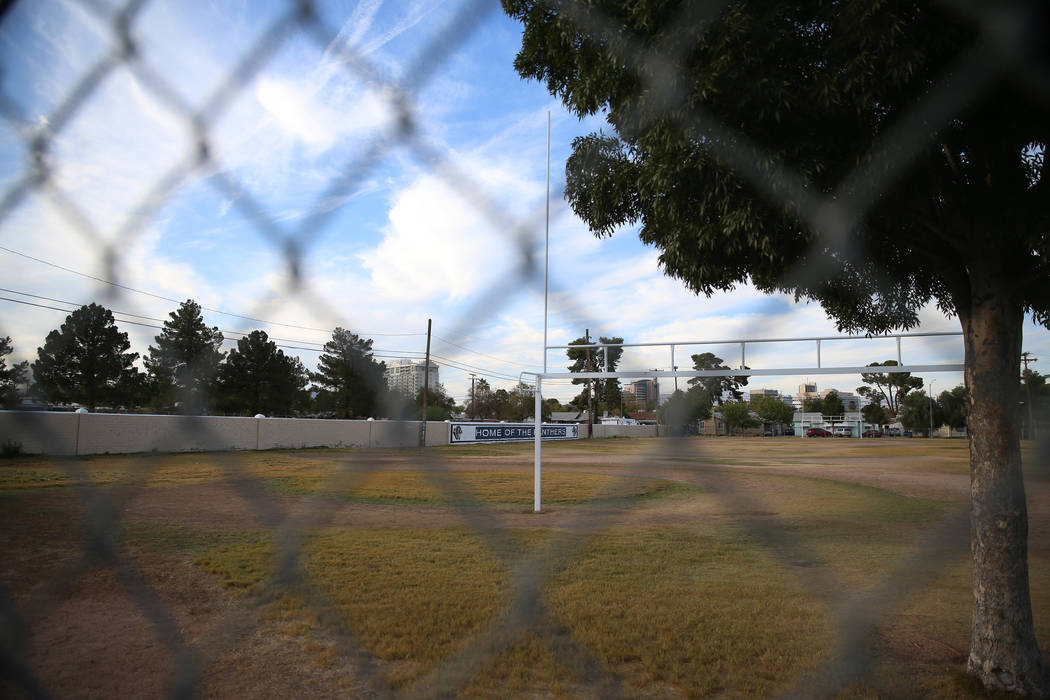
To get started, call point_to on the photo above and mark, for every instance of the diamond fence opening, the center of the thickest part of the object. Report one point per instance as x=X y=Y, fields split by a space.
x=325 y=556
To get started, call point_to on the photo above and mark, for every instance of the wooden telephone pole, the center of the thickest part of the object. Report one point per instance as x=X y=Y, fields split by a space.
x=1026 y=357
x=426 y=390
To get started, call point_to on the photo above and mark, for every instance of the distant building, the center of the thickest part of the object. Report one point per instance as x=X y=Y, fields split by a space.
x=580 y=417
x=644 y=390
x=757 y=395
x=850 y=401
x=407 y=376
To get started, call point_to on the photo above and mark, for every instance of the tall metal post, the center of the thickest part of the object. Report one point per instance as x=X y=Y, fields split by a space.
x=547 y=241
x=538 y=436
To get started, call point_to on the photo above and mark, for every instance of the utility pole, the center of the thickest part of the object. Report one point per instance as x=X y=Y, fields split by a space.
x=587 y=368
x=426 y=390
x=473 y=407
x=931 y=407
x=1026 y=357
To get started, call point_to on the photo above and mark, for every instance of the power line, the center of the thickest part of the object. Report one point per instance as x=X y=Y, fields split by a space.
x=179 y=301
x=476 y=352
x=285 y=343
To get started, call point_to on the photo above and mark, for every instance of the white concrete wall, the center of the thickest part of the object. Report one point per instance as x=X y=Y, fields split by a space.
x=608 y=431
x=303 y=432
x=43 y=432
x=40 y=431
x=122 y=433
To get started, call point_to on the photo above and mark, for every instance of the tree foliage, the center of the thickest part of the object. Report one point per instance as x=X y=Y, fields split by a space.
x=954 y=407
x=184 y=364
x=915 y=412
x=876 y=414
x=354 y=382
x=606 y=392
x=808 y=148
x=258 y=377
x=890 y=387
x=482 y=404
x=775 y=411
x=737 y=415
x=716 y=387
x=683 y=409
x=813 y=404
x=832 y=405
x=10 y=377
x=86 y=360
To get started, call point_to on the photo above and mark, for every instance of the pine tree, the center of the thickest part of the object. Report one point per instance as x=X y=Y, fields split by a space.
x=86 y=360
x=10 y=377
x=258 y=377
x=184 y=364
x=351 y=376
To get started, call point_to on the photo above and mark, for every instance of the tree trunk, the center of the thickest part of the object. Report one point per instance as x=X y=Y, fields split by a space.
x=1004 y=653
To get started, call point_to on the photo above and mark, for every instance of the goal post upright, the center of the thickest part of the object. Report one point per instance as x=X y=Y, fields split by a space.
x=538 y=449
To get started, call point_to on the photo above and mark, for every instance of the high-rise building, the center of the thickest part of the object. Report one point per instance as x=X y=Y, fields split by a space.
x=755 y=395
x=644 y=390
x=407 y=376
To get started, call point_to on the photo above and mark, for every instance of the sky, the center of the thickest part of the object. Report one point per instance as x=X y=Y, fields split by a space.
x=380 y=167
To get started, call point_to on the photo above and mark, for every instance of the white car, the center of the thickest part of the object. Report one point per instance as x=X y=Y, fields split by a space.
x=842 y=431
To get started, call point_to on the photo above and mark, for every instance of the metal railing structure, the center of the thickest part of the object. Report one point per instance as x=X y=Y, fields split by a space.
x=39 y=137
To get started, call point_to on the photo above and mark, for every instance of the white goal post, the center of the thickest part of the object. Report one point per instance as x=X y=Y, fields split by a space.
x=741 y=371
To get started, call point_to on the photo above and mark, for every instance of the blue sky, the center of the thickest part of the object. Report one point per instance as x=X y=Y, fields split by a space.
x=436 y=227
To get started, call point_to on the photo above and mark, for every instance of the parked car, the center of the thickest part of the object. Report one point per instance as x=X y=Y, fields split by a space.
x=895 y=432
x=843 y=431
x=871 y=433
x=31 y=404
x=789 y=431
x=907 y=433
x=817 y=432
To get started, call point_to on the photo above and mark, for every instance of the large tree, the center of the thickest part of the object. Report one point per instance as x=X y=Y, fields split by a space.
x=10 y=377
x=889 y=387
x=258 y=377
x=876 y=414
x=775 y=411
x=86 y=360
x=482 y=403
x=683 y=409
x=606 y=393
x=716 y=387
x=874 y=158
x=736 y=415
x=832 y=404
x=954 y=407
x=184 y=364
x=348 y=372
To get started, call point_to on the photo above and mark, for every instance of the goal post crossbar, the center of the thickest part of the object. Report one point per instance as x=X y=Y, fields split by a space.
x=750 y=372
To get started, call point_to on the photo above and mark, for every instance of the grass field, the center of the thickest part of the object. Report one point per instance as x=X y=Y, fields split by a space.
x=725 y=567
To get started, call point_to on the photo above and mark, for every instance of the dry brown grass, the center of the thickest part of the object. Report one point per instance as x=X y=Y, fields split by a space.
x=697 y=597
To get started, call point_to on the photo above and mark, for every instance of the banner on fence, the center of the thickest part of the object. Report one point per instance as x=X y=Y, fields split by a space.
x=509 y=432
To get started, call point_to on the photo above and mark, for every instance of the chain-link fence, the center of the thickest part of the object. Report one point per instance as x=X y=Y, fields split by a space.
x=292 y=520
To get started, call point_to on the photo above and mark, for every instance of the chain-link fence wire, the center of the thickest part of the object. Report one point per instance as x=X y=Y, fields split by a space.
x=831 y=217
